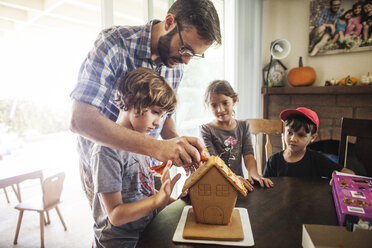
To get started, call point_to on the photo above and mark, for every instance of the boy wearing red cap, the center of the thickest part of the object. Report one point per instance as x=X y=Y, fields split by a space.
x=301 y=127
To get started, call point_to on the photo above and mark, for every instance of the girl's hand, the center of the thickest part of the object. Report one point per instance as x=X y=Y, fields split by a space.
x=163 y=196
x=264 y=182
x=246 y=183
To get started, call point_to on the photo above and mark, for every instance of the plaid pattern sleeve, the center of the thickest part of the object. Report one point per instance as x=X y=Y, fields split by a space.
x=99 y=73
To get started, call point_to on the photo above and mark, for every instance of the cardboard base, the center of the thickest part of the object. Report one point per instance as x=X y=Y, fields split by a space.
x=232 y=231
x=247 y=230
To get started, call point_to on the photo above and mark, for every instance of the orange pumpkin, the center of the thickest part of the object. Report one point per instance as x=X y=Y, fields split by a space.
x=301 y=75
x=348 y=80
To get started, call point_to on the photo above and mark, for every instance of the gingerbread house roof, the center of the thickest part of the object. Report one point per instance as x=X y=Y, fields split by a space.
x=217 y=162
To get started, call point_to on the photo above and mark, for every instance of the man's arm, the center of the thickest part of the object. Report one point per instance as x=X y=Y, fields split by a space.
x=88 y=121
x=169 y=129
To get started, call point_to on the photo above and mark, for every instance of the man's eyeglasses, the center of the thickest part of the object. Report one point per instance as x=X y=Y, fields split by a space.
x=184 y=51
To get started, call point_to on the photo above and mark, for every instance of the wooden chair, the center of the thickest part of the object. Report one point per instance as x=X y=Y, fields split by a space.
x=362 y=131
x=265 y=127
x=52 y=189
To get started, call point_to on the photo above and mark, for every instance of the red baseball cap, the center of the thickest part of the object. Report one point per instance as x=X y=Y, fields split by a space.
x=301 y=111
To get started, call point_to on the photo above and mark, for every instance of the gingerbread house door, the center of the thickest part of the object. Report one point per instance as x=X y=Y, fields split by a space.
x=213 y=215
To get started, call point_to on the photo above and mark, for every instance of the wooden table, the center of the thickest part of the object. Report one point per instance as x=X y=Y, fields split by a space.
x=276 y=214
x=13 y=177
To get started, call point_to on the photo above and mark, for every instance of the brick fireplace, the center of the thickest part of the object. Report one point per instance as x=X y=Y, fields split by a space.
x=331 y=103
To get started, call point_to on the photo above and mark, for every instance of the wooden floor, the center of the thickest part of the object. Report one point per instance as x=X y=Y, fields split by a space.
x=74 y=209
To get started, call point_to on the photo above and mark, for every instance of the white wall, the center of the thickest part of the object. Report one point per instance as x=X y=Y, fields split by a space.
x=289 y=19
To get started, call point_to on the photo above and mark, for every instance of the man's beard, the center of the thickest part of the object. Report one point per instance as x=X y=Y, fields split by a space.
x=164 y=47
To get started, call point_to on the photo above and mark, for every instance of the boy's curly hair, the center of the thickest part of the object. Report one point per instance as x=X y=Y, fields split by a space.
x=143 y=88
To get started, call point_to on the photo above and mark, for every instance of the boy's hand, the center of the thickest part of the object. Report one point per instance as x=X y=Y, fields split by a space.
x=344 y=170
x=331 y=182
x=162 y=197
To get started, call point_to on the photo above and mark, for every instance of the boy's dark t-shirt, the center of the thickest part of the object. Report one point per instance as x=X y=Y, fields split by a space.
x=313 y=164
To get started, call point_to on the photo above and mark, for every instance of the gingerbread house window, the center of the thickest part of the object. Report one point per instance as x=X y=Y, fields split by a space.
x=222 y=190
x=204 y=189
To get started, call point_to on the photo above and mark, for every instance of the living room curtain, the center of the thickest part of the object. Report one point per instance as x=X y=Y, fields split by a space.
x=248 y=47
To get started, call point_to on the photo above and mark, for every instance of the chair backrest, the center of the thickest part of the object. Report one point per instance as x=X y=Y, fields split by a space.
x=361 y=129
x=52 y=189
x=265 y=127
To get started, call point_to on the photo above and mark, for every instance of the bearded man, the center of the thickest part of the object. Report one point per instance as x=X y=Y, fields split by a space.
x=188 y=30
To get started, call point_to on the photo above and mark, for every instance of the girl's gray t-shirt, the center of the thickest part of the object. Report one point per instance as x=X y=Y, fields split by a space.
x=116 y=170
x=229 y=145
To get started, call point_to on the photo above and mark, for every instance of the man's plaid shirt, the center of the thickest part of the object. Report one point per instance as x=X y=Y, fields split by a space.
x=117 y=51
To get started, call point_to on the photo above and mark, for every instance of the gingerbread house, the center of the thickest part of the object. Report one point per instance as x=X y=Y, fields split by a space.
x=213 y=190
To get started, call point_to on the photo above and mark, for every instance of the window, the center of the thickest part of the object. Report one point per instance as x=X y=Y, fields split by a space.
x=42 y=47
x=191 y=111
x=222 y=190
x=204 y=189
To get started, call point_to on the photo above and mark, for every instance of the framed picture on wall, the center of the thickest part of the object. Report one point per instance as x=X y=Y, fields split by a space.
x=339 y=26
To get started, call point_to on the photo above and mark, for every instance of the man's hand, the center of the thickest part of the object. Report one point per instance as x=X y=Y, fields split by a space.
x=183 y=151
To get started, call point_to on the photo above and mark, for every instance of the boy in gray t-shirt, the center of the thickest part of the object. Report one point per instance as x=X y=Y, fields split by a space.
x=125 y=200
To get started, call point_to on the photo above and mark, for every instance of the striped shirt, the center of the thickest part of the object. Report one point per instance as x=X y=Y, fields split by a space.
x=117 y=51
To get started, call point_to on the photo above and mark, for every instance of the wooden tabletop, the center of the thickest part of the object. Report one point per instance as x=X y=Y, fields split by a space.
x=11 y=175
x=276 y=214
x=8 y=180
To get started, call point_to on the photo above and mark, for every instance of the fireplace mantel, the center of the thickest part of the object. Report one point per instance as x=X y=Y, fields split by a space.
x=308 y=90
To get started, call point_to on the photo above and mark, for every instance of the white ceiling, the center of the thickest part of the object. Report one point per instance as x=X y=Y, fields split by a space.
x=30 y=16
x=42 y=15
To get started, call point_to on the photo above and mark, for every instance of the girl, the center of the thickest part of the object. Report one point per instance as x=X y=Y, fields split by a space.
x=340 y=26
x=354 y=26
x=228 y=138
